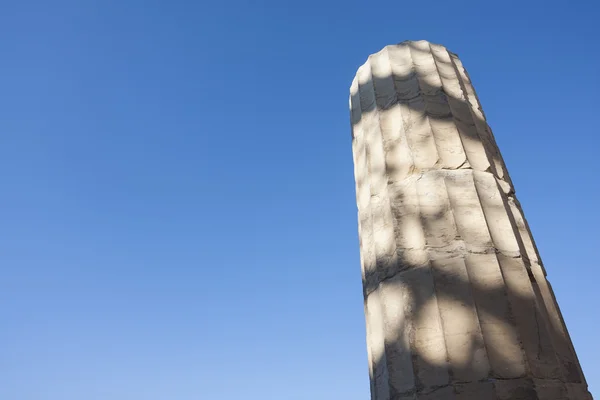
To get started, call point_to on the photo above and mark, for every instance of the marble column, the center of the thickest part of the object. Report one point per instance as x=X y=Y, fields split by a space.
x=457 y=302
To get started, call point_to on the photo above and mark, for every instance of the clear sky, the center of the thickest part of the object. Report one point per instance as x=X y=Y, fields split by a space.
x=178 y=216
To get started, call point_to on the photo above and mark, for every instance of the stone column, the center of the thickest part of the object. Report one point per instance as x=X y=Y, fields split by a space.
x=456 y=297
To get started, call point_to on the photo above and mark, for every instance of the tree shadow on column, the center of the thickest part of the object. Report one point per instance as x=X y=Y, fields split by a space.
x=487 y=369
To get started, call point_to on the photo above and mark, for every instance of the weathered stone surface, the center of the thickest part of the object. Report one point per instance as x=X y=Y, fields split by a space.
x=551 y=389
x=516 y=389
x=475 y=390
x=456 y=297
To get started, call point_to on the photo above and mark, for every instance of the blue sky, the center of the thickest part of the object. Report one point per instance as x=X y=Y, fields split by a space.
x=178 y=209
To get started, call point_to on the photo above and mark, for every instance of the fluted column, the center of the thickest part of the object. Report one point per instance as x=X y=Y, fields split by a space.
x=456 y=298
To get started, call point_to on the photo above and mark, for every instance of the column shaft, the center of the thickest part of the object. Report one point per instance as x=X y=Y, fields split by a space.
x=456 y=298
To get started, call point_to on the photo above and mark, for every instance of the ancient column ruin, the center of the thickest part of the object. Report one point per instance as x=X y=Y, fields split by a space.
x=457 y=302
